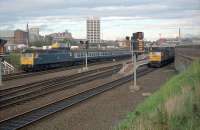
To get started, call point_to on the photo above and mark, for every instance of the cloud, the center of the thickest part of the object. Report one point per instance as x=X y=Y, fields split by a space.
x=116 y=15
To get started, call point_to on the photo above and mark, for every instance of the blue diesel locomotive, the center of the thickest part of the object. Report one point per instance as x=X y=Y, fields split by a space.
x=45 y=59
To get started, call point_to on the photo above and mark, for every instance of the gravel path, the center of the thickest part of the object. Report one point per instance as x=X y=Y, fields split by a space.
x=106 y=110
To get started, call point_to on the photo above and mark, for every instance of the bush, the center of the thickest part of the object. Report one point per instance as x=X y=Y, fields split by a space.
x=14 y=59
x=176 y=106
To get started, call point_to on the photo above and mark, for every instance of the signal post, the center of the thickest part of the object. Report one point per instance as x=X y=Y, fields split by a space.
x=86 y=46
x=137 y=47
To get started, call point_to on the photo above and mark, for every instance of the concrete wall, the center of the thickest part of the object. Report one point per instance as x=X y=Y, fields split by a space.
x=184 y=55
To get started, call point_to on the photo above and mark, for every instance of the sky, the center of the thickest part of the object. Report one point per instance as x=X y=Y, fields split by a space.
x=119 y=18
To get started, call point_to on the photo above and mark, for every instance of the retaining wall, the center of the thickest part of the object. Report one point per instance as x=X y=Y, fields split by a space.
x=184 y=55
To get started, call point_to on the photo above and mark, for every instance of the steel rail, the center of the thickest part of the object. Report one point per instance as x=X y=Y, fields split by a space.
x=25 y=119
x=29 y=74
x=43 y=90
x=12 y=90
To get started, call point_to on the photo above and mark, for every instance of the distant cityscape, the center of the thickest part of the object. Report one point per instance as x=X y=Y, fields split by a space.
x=31 y=37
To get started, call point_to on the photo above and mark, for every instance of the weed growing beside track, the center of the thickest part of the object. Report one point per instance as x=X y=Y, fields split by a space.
x=176 y=106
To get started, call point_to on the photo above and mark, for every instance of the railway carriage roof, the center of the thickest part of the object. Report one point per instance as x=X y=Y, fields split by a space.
x=80 y=50
x=43 y=51
x=159 y=48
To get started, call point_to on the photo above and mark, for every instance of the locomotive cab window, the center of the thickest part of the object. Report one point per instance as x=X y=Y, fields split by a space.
x=27 y=54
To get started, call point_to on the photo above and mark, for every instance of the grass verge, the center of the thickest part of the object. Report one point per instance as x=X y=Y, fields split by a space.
x=176 y=106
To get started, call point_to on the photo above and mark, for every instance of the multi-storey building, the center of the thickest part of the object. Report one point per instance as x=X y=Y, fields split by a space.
x=34 y=34
x=21 y=37
x=34 y=30
x=93 y=30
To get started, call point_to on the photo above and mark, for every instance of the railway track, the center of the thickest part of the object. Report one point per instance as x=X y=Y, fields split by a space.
x=29 y=74
x=20 y=121
x=43 y=82
x=27 y=92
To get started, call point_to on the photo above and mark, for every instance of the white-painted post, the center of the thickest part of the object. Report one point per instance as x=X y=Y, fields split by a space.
x=135 y=68
x=86 y=66
x=0 y=72
x=132 y=59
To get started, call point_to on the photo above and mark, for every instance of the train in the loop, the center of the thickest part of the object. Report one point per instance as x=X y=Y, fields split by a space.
x=36 y=60
x=161 y=55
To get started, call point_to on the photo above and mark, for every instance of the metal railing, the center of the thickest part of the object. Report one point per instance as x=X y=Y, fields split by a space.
x=7 y=68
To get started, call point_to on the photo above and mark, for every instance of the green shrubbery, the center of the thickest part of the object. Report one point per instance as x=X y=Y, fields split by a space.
x=176 y=106
x=14 y=59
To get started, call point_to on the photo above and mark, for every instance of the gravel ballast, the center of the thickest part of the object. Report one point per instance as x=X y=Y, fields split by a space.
x=106 y=110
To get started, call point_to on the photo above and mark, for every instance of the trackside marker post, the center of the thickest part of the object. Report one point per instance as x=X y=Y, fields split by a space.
x=0 y=72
